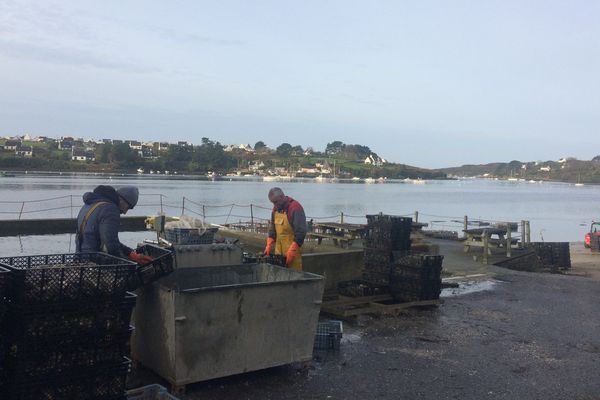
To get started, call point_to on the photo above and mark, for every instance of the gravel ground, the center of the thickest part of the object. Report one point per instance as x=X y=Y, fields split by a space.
x=529 y=336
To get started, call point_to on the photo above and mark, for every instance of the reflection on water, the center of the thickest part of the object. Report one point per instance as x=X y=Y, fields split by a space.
x=52 y=244
x=469 y=287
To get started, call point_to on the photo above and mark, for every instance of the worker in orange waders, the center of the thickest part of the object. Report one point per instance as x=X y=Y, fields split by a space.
x=287 y=229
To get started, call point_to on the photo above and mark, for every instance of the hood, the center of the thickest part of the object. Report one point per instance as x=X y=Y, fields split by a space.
x=102 y=193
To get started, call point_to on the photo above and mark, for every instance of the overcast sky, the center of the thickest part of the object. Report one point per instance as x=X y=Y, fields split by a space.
x=427 y=83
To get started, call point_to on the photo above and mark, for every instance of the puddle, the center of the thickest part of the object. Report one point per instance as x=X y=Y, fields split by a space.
x=351 y=338
x=469 y=287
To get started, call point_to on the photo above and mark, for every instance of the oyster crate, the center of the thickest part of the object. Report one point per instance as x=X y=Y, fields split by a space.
x=61 y=321
x=103 y=383
x=26 y=362
x=162 y=264
x=416 y=278
x=56 y=278
x=329 y=335
x=274 y=259
x=360 y=288
x=190 y=235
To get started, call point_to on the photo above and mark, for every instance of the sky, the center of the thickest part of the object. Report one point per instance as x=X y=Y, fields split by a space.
x=426 y=83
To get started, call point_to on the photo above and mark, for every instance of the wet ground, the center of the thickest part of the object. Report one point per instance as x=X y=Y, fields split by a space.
x=501 y=335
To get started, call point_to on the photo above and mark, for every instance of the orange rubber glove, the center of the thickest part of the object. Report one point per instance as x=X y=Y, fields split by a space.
x=291 y=253
x=270 y=243
x=140 y=258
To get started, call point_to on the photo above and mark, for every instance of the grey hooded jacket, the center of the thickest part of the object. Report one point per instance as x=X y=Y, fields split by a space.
x=101 y=232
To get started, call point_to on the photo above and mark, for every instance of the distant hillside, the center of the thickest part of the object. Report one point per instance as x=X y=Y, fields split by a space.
x=570 y=170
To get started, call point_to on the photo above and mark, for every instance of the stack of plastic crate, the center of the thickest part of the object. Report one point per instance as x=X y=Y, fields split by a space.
x=553 y=255
x=385 y=234
x=416 y=278
x=4 y=303
x=68 y=326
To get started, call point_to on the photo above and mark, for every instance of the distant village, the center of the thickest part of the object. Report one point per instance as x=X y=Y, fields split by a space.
x=257 y=160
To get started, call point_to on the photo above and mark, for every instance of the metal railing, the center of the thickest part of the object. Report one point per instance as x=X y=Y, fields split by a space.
x=252 y=217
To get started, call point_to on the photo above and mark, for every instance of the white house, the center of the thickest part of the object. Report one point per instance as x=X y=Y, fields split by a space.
x=545 y=169
x=24 y=151
x=12 y=145
x=254 y=166
x=246 y=147
x=80 y=154
x=374 y=160
x=135 y=145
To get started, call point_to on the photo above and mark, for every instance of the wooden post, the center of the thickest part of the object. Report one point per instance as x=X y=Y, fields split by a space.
x=251 y=218
x=71 y=208
x=528 y=225
x=161 y=204
x=341 y=217
x=522 y=233
x=21 y=212
x=486 y=245
x=465 y=226
x=416 y=216
x=508 y=239
x=203 y=212
x=182 y=205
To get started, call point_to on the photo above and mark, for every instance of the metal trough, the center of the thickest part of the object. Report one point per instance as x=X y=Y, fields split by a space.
x=203 y=323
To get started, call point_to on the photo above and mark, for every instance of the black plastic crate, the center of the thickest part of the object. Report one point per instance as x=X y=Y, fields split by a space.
x=162 y=264
x=329 y=335
x=250 y=258
x=553 y=255
x=56 y=278
x=4 y=277
x=33 y=361
x=274 y=259
x=360 y=288
x=4 y=301
x=190 y=235
x=103 y=383
x=51 y=323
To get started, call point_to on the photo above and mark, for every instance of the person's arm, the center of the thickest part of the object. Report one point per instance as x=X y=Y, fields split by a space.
x=299 y=225
x=108 y=227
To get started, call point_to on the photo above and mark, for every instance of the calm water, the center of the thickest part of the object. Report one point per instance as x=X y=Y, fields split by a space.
x=558 y=212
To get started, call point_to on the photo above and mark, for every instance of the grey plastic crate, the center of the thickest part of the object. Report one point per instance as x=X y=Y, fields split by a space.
x=190 y=236
x=150 y=392
x=329 y=335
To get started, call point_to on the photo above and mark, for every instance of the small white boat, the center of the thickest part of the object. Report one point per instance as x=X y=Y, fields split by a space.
x=369 y=180
x=140 y=171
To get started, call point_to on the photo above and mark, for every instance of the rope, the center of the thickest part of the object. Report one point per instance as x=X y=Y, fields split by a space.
x=34 y=201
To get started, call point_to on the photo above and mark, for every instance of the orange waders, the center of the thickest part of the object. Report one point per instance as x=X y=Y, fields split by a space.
x=285 y=238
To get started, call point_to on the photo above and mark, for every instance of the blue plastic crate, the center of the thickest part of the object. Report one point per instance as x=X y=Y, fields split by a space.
x=150 y=392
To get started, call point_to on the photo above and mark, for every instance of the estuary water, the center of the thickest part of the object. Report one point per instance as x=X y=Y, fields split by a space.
x=556 y=211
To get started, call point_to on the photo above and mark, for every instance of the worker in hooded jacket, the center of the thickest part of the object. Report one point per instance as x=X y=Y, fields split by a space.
x=98 y=222
x=287 y=229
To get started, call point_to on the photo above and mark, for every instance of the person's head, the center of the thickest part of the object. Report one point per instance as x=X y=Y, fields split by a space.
x=128 y=198
x=277 y=197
